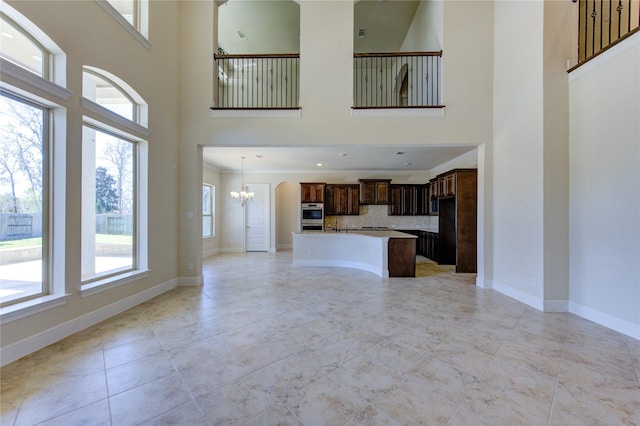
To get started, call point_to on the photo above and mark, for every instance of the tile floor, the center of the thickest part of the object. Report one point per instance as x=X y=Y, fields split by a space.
x=265 y=343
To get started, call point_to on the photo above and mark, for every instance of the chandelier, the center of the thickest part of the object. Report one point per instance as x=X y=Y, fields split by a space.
x=243 y=197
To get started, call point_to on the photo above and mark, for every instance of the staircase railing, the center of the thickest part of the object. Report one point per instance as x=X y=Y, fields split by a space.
x=267 y=81
x=603 y=23
x=397 y=80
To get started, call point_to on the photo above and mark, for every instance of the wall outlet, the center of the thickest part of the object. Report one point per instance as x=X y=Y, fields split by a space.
x=190 y=266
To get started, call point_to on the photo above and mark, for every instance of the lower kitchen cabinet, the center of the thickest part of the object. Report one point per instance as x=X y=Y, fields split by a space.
x=402 y=257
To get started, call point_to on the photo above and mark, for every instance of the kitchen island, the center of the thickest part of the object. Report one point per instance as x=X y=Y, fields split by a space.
x=385 y=253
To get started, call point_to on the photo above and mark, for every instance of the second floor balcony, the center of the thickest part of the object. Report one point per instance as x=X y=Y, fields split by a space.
x=380 y=80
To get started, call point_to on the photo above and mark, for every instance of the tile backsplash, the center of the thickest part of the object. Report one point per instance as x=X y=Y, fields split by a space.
x=378 y=216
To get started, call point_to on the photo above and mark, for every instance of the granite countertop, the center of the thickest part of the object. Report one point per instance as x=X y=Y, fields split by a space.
x=381 y=233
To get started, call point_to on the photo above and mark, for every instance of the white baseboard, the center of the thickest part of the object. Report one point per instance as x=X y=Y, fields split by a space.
x=520 y=296
x=486 y=284
x=606 y=320
x=209 y=253
x=38 y=341
x=231 y=250
x=556 y=306
x=190 y=281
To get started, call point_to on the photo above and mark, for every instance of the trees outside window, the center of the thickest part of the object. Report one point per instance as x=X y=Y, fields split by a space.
x=22 y=198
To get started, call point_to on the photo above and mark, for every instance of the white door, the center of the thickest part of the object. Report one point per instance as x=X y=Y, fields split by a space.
x=257 y=218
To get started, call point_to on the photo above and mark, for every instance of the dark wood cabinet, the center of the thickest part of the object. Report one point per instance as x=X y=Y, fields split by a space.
x=433 y=195
x=408 y=200
x=312 y=192
x=457 y=219
x=375 y=191
x=342 y=199
x=402 y=257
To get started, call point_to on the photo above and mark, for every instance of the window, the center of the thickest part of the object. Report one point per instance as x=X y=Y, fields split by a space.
x=23 y=213
x=132 y=15
x=107 y=94
x=114 y=184
x=208 y=202
x=32 y=168
x=23 y=50
x=108 y=210
x=128 y=9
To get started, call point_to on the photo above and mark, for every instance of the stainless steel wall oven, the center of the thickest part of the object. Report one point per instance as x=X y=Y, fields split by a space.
x=312 y=217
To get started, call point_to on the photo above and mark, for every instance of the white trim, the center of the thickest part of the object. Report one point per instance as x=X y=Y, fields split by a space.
x=482 y=283
x=124 y=23
x=190 y=281
x=556 y=306
x=518 y=295
x=397 y=112
x=256 y=113
x=96 y=287
x=605 y=56
x=606 y=320
x=33 y=82
x=231 y=250
x=38 y=341
x=31 y=307
x=102 y=116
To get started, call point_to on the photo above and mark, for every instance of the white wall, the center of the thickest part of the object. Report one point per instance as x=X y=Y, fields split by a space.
x=605 y=189
x=89 y=36
x=518 y=138
x=425 y=32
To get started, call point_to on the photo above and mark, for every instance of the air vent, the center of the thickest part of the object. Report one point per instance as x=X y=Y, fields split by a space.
x=241 y=34
x=362 y=32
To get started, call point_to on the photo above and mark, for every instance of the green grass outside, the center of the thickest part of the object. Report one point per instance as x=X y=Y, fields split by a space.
x=36 y=242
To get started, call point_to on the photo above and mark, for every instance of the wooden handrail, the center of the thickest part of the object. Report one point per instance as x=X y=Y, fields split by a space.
x=217 y=56
x=392 y=54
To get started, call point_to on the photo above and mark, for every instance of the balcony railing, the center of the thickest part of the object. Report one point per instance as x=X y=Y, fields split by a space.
x=397 y=80
x=258 y=81
x=602 y=23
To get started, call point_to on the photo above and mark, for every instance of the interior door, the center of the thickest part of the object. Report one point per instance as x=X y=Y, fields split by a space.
x=257 y=218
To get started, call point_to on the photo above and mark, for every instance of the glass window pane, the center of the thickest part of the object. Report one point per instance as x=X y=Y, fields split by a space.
x=107 y=95
x=207 y=223
x=206 y=199
x=107 y=204
x=126 y=9
x=16 y=47
x=21 y=199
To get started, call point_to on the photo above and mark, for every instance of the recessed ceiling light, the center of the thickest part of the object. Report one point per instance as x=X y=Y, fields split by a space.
x=407 y=164
x=342 y=155
x=319 y=164
x=259 y=156
x=400 y=153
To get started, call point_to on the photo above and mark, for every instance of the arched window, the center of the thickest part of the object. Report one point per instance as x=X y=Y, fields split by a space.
x=22 y=49
x=114 y=183
x=133 y=15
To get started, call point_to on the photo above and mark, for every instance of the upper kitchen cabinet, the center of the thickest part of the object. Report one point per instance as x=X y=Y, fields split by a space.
x=375 y=191
x=312 y=192
x=342 y=199
x=409 y=200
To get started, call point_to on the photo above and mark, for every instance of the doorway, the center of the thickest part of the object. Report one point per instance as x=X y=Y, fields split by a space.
x=257 y=218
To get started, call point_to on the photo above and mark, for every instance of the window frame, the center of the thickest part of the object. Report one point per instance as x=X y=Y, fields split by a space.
x=135 y=107
x=140 y=31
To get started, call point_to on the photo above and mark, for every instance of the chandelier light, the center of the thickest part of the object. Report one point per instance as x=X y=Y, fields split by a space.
x=243 y=197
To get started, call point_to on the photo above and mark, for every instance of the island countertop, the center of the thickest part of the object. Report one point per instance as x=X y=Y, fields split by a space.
x=378 y=234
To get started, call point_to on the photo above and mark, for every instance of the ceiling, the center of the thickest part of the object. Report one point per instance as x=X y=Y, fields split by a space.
x=364 y=158
x=274 y=27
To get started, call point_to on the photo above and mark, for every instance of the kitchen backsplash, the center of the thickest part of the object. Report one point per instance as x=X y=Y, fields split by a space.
x=371 y=215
